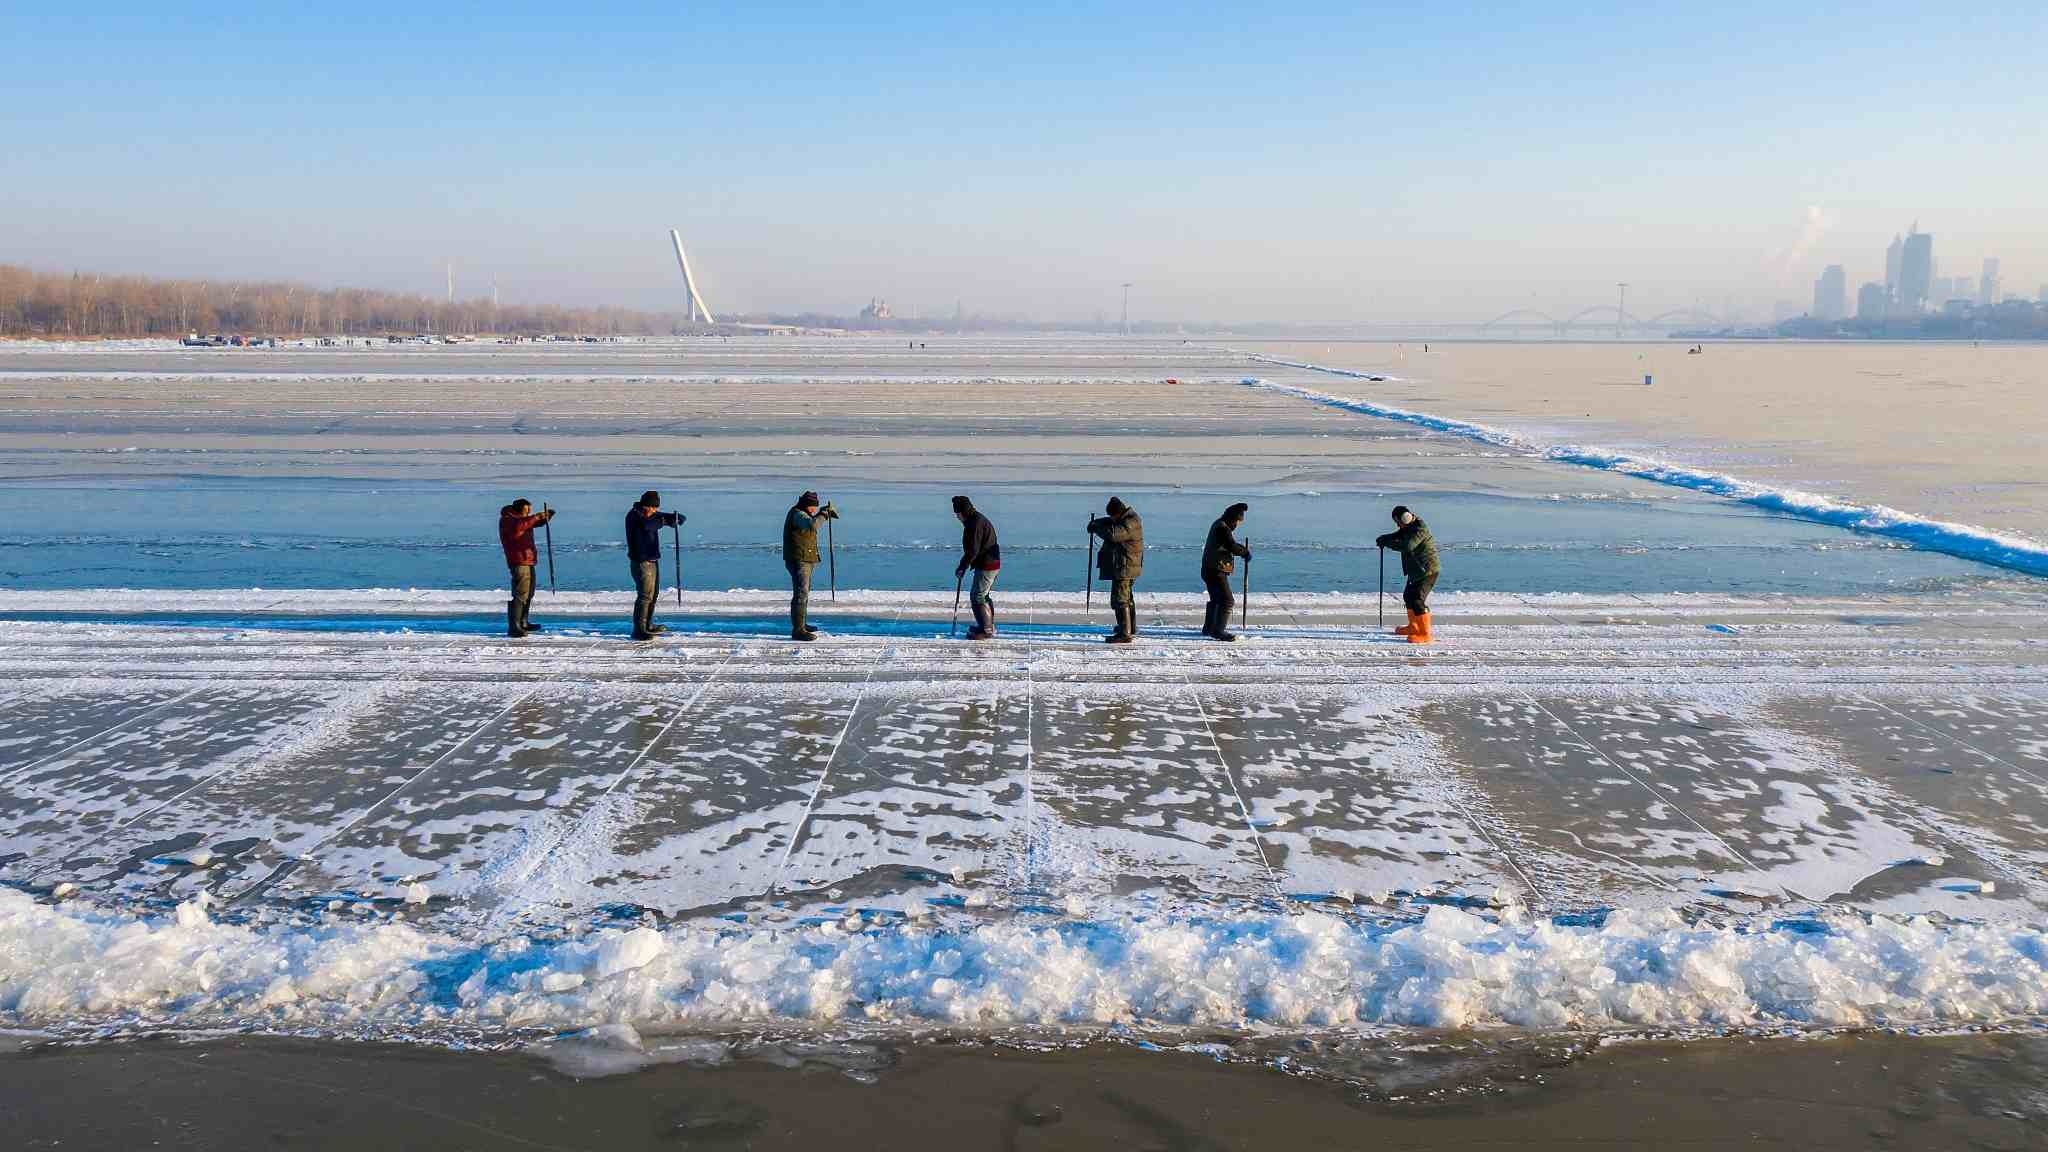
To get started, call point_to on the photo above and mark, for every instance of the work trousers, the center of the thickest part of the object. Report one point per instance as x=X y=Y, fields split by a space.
x=1416 y=594
x=1221 y=602
x=646 y=590
x=1125 y=605
x=799 y=595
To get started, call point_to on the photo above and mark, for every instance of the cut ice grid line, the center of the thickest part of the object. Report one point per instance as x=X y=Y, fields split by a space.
x=796 y=833
x=286 y=867
x=1675 y=805
x=1258 y=840
x=1955 y=739
x=146 y=713
x=682 y=710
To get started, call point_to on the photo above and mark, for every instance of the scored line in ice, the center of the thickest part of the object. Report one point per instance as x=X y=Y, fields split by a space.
x=818 y=789
x=1955 y=739
x=282 y=870
x=1675 y=807
x=1258 y=840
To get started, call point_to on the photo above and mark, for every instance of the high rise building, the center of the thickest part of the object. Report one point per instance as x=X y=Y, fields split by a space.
x=1916 y=271
x=1831 y=294
x=1872 y=301
x=1893 y=256
x=1987 y=285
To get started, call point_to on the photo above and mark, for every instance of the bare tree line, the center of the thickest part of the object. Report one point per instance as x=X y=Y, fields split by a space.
x=85 y=306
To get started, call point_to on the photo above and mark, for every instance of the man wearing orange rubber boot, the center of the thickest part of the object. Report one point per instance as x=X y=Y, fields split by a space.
x=1412 y=540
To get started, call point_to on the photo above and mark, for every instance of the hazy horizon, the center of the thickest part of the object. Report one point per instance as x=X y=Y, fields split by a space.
x=1320 y=166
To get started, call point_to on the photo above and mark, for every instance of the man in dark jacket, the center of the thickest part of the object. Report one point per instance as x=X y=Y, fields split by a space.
x=979 y=551
x=516 y=522
x=1412 y=540
x=1120 y=561
x=800 y=555
x=1218 y=562
x=644 y=522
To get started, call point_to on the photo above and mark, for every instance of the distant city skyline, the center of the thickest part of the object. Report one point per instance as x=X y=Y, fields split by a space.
x=1337 y=164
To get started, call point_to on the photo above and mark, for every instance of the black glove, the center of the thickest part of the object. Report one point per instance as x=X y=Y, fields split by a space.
x=829 y=512
x=680 y=518
x=1247 y=552
x=960 y=570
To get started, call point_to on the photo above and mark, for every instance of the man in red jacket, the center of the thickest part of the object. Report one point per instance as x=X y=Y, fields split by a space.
x=516 y=522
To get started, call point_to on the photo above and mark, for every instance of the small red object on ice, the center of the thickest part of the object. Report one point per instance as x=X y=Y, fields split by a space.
x=1171 y=380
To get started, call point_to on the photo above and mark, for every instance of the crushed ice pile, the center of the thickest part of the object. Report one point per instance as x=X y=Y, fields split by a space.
x=70 y=964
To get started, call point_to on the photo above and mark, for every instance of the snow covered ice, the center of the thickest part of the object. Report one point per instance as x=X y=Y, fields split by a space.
x=1558 y=825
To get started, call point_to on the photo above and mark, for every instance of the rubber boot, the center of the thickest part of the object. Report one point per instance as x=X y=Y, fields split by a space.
x=1209 y=620
x=640 y=631
x=981 y=629
x=1407 y=629
x=526 y=623
x=800 y=628
x=1421 y=634
x=1122 y=635
x=512 y=627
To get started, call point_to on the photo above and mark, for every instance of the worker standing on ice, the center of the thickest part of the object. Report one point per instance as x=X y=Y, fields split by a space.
x=1412 y=540
x=800 y=555
x=1120 y=560
x=1219 y=560
x=644 y=522
x=516 y=522
x=979 y=551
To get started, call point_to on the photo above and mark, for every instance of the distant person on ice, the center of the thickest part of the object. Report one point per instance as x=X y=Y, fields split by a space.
x=644 y=522
x=979 y=551
x=516 y=522
x=800 y=555
x=1412 y=540
x=1119 y=562
x=1218 y=562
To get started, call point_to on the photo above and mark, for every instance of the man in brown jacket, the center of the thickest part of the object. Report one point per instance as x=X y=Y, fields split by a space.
x=1120 y=561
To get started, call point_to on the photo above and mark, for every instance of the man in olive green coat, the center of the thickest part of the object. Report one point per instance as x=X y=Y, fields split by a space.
x=1120 y=560
x=1412 y=540
x=800 y=555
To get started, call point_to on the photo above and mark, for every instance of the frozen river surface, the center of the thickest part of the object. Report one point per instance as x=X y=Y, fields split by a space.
x=1677 y=763
x=336 y=469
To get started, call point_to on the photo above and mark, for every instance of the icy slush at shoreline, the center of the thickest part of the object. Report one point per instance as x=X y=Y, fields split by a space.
x=1301 y=972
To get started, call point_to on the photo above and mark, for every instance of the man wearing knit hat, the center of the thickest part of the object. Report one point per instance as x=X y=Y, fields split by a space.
x=800 y=555
x=1412 y=540
x=644 y=522
x=1218 y=562
x=1120 y=560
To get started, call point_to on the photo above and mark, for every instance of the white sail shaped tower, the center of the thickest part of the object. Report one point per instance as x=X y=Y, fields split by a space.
x=697 y=306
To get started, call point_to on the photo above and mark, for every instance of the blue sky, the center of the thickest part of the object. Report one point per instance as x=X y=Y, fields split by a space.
x=1321 y=162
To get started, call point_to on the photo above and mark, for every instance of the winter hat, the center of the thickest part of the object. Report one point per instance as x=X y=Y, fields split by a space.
x=650 y=499
x=807 y=499
x=1235 y=511
x=962 y=505
x=516 y=505
x=1117 y=507
x=1401 y=514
